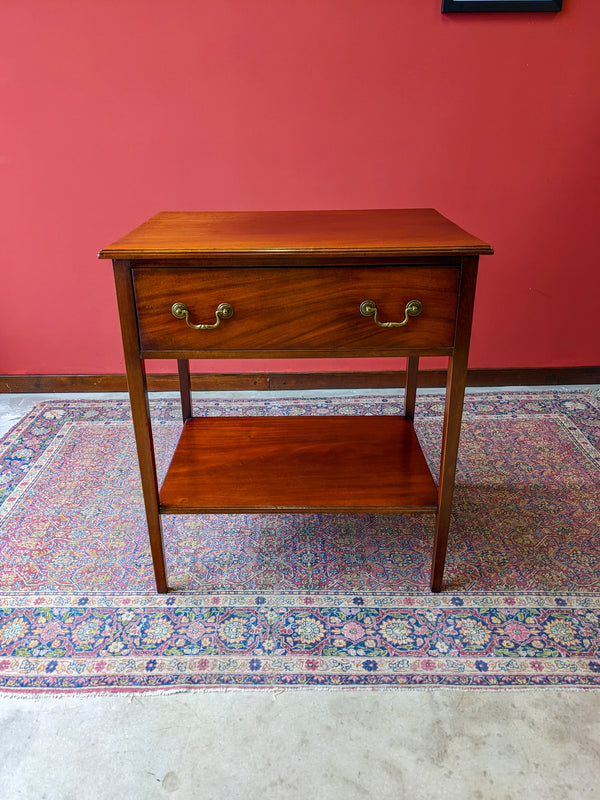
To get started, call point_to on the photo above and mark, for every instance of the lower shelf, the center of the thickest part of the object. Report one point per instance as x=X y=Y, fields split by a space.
x=298 y=464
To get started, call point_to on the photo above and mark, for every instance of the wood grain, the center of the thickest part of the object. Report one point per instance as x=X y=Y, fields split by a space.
x=298 y=464
x=287 y=234
x=140 y=410
x=296 y=281
x=455 y=394
x=291 y=309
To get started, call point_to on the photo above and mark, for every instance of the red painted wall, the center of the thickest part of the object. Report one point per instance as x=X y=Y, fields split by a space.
x=113 y=110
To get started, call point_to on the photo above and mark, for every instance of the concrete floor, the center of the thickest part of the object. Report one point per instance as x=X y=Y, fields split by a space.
x=319 y=743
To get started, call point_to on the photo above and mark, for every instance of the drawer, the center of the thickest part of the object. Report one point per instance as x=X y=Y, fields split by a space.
x=296 y=308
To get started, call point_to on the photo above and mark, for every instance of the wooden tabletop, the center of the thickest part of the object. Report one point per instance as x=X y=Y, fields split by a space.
x=402 y=232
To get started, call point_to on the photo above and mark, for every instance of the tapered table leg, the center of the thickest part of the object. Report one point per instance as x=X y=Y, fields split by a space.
x=455 y=395
x=450 y=442
x=410 y=392
x=138 y=394
x=185 y=388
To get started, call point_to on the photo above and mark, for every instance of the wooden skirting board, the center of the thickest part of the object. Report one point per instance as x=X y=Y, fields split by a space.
x=299 y=381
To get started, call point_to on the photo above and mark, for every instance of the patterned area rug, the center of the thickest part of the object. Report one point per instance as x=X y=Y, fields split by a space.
x=318 y=600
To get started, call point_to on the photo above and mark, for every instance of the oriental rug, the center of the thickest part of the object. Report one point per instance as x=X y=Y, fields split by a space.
x=302 y=600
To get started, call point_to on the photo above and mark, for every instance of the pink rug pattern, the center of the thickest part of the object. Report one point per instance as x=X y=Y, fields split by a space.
x=296 y=600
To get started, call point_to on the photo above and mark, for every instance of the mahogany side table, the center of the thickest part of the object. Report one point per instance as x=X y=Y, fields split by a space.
x=297 y=284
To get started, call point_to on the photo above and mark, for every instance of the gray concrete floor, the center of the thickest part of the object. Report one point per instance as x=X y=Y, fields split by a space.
x=319 y=743
x=322 y=744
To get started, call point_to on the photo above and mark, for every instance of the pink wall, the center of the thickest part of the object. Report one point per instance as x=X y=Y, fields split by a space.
x=113 y=110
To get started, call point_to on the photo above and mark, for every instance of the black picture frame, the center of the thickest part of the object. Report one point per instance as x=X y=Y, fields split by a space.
x=451 y=6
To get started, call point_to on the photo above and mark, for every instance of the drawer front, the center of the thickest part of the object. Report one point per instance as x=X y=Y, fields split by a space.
x=296 y=309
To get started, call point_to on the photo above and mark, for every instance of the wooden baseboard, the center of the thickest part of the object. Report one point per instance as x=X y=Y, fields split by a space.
x=299 y=381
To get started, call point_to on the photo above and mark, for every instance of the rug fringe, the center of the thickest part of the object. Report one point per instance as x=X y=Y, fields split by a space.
x=131 y=696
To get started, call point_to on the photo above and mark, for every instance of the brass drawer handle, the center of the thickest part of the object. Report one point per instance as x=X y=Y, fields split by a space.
x=180 y=311
x=413 y=309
